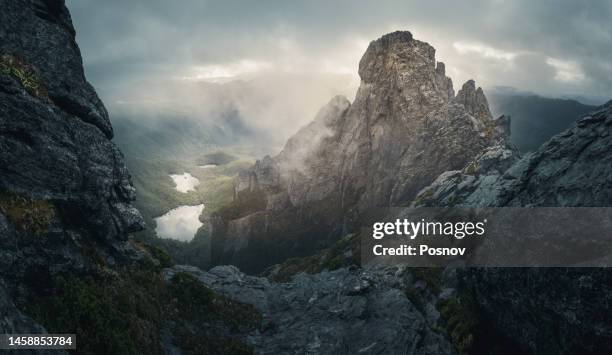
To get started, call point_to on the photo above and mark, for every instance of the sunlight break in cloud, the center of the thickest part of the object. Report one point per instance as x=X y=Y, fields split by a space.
x=484 y=50
x=566 y=71
x=223 y=72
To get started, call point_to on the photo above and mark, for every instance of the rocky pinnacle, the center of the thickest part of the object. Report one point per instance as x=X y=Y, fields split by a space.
x=403 y=129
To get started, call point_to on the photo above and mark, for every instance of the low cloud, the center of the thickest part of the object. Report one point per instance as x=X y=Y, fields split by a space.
x=297 y=55
x=566 y=71
x=225 y=72
x=484 y=50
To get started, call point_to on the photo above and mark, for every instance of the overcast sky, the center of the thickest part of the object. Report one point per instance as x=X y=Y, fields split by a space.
x=553 y=48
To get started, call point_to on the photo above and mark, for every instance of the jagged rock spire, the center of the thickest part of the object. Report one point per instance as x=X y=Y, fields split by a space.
x=474 y=101
x=403 y=129
x=400 y=63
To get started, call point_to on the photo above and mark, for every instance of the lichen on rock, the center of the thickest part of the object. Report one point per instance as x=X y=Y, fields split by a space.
x=25 y=74
x=30 y=216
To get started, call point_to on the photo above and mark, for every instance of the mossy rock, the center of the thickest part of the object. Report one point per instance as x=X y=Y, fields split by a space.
x=196 y=305
x=330 y=259
x=461 y=320
x=196 y=301
x=217 y=158
x=109 y=316
x=432 y=277
x=25 y=74
x=164 y=259
x=32 y=216
x=470 y=169
x=453 y=200
x=157 y=257
x=424 y=197
x=125 y=314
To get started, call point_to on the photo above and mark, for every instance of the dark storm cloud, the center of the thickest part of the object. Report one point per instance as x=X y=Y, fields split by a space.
x=548 y=47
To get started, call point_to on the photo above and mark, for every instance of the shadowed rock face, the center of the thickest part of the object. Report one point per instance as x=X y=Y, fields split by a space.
x=64 y=187
x=572 y=169
x=343 y=312
x=40 y=32
x=550 y=310
x=403 y=129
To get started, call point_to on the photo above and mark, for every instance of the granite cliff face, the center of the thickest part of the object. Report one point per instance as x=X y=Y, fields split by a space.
x=551 y=310
x=64 y=188
x=571 y=169
x=403 y=129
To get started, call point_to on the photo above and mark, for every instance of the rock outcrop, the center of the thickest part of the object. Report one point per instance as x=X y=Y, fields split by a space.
x=344 y=311
x=551 y=310
x=64 y=188
x=403 y=129
x=67 y=262
x=570 y=170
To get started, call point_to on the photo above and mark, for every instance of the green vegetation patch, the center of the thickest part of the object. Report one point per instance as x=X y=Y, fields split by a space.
x=217 y=158
x=246 y=203
x=28 y=215
x=217 y=192
x=194 y=301
x=344 y=253
x=470 y=169
x=25 y=74
x=424 y=197
x=432 y=277
x=198 y=305
x=126 y=312
x=460 y=317
x=159 y=258
x=110 y=316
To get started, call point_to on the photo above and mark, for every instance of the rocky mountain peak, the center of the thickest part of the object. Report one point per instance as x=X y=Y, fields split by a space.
x=393 y=54
x=397 y=61
x=474 y=101
x=388 y=52
x=403 y=129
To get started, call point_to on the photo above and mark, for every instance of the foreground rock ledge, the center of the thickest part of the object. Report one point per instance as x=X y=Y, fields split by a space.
x=346 y=311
